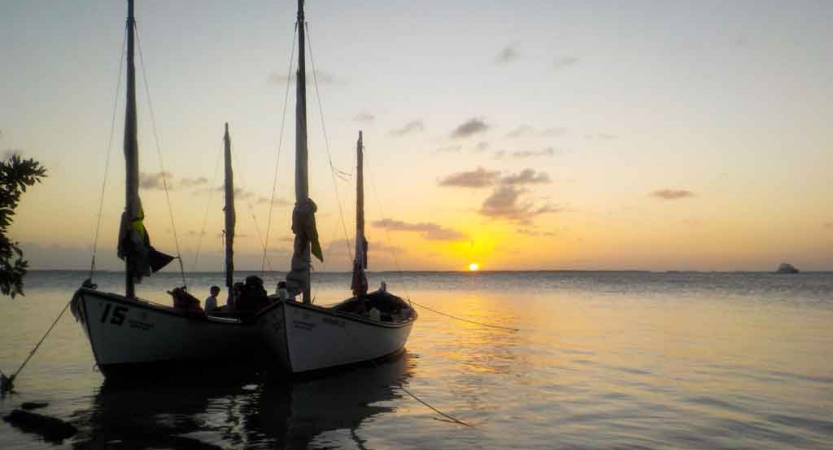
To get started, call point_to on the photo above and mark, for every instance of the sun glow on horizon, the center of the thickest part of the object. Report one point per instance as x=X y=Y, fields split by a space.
x=474 y=267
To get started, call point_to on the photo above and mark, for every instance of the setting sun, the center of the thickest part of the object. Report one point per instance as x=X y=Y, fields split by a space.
x=473 y=267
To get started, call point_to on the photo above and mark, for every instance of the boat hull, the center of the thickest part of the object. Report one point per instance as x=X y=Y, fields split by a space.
x=305 y=338
x=127 y=334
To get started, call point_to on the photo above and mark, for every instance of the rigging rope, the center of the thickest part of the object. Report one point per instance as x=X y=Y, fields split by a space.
x=278 y=157
x=252 y=212
x=207 y=208
x=333 y=170
x=107 y=160
x=159 y=155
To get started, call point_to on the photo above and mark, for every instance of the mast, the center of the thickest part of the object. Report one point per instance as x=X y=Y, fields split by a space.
x=131 y=148
x=303 y=215
x=229 y=215
x=301 y=153
x=360 y=263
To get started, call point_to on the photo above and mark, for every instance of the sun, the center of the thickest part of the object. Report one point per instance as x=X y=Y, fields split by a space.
x=474 y=267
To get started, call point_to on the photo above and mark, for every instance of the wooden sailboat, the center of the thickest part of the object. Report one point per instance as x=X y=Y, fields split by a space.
x=306 y=337
x=126 y=332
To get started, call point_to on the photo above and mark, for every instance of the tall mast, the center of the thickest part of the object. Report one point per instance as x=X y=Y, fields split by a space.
x=301 y=154
x=359 y=284
x=229 y=215
x=131 y=148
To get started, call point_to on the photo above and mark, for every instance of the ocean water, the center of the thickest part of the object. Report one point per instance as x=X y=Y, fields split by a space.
x=600 y=360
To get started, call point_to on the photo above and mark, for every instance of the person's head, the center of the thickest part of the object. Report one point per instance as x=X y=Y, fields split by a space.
x=215 y=290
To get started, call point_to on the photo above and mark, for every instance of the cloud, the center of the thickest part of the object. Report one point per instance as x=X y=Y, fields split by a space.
x=481 y=147
x=413 y=126
x=364 y=117
x=506 y=203
x=549 y=151
x=554 y=131
x=429 y=231
x=528 y=130
x=478 y=178
x=193 y=182
x=500 y=154
x=507 y=54
x=155 y=180
x=523 y=130
x=324 y=78
x=449 y=149
x=262 y=200
x=532 y=232
x=671 y=194
x=526 y=176
x=565 y=61
x=470 y=128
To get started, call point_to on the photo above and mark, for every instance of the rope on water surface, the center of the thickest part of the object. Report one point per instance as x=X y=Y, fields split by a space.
x=464 y=320
x=32 y=353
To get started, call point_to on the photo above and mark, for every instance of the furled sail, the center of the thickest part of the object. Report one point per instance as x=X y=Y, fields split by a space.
x=230 y=216
x=141 y=259
x=359 y=284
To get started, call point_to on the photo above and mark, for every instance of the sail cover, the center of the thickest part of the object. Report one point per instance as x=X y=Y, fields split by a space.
x=306 y=235
x=134 y=245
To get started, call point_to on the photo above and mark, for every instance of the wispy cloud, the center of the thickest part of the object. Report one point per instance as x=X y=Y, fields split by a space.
x=449 y=149
x=549 y=151
x=478 y=178
x=525 y=130
x=364 y=117
x=481 y=147
x=193 y=182
x=263 y=200
x=553 y=131
x=537 y=233
x=565 y=61
x=470 y=128
x=157 y=180
x=414 y=126
x=508 y=54
x=427 y=230
x=671 y=194
x=526 y=176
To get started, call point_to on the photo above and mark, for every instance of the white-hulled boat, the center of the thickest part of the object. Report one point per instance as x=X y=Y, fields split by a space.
x=306 y=337
x=129 y=333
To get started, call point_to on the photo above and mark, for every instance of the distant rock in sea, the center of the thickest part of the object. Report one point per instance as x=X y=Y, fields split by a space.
x=786 y=268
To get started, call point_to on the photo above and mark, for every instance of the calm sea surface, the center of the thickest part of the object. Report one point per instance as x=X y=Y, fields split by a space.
x=602 y=360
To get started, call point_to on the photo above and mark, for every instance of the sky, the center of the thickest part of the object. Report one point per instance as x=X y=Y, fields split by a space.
x=529 y=135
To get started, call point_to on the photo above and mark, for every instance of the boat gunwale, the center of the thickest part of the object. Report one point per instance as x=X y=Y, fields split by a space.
x=164 y=309
x=340 y=314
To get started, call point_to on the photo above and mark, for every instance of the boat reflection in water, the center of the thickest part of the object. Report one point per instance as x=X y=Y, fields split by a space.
x=215 y=410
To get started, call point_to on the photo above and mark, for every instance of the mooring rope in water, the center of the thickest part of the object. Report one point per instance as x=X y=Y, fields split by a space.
x=465 y=320
x=453 y=419
x=32 y=353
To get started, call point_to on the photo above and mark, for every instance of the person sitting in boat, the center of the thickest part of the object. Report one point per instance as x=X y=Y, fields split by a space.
x=186 y=301
x=253 y=296
x=211 y=301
